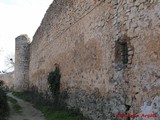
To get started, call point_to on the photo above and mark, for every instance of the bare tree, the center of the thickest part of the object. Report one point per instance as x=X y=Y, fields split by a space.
x=10 y=61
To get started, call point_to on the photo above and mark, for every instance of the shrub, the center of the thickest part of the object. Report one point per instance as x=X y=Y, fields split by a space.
x=3 y=103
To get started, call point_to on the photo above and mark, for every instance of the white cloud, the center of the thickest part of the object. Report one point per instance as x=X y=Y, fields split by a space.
x=19 y=17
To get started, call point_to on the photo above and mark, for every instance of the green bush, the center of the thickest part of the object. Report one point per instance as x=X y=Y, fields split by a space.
x=3 y=103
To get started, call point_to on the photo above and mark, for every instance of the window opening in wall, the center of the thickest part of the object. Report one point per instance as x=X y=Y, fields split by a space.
x=121 y=53
x=124 y=53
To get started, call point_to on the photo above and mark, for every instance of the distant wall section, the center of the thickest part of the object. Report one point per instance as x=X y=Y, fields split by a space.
x=8 y=79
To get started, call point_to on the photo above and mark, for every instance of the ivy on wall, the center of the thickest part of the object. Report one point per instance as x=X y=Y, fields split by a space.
x=54 y=81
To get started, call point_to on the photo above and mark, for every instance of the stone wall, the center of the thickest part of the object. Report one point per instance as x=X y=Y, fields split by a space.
x=107 y=51
x=8 y=79
x=22 y=54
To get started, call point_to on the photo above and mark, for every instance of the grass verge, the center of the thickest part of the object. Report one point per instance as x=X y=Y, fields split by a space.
x=14 y=102
x=17 y=108
x=60 y=115
x=50 y=111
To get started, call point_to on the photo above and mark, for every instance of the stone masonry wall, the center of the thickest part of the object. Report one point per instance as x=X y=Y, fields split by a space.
x=22 y=54
x=107 y=51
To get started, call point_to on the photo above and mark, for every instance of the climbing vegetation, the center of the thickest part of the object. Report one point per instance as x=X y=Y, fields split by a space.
x=54 y=81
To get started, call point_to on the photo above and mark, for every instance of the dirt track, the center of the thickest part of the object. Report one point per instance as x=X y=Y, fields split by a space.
x=28 y=112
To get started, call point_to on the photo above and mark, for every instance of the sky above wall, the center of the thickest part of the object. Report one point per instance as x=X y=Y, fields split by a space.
x=18 y=17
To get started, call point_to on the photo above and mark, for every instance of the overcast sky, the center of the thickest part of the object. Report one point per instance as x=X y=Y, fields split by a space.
x=18 y=17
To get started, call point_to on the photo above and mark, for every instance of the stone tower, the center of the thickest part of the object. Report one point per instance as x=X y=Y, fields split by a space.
x=22 y=53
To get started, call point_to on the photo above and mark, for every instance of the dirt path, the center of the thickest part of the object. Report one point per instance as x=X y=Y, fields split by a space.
x=28 y=112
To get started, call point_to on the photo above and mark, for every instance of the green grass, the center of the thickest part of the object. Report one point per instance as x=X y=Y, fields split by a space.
x=60 y=115
x=17 y=108
x=51 y=112
x=14 y=102
x=22 y=95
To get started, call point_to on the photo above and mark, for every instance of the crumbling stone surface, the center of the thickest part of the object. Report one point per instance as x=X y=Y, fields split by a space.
x=81 y=36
